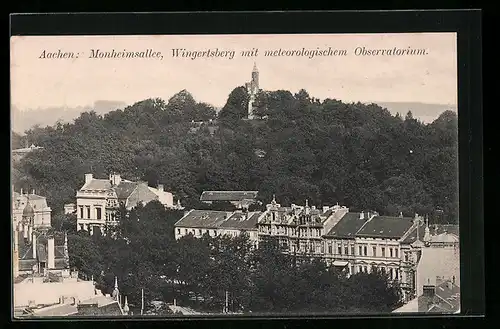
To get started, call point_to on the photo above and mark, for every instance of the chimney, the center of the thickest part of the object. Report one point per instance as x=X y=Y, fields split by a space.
x=115 y=179
x=88 y=178
x=34 y=245
x=362 y=215
x=50 y=253
x=453 y=279
x=429 y=291
x=33 y=191
x=21 y=191
x=160 y=187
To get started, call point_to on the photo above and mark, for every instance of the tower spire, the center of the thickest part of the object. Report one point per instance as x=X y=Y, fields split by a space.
x=66 y=253
x=116 y=292
x=126 y=309
x=255 y=67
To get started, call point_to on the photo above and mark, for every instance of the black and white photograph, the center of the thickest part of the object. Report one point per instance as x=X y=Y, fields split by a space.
x=224 y=175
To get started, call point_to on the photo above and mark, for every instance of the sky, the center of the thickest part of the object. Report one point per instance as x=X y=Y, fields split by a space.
x=42 y=83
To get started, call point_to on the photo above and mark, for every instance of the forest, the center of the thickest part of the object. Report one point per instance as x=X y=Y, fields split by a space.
x=297 y=148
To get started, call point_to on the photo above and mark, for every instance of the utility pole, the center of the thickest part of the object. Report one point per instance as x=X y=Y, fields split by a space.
x=142 y=301
x=227 y=302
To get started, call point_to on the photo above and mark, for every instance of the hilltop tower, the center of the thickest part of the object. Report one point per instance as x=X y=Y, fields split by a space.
x=252 y=89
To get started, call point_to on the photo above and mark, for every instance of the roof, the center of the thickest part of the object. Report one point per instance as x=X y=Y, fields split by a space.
x=202 y=219
x=228 y=195
x=412 y=236
x=386 y=227
x=97 y=184
x=347 y=226
x=444 y=238
x=124 y=189
x=28 y=210
x=437 y=229
x=446 y=299
x=240 y=220
x=56 y=310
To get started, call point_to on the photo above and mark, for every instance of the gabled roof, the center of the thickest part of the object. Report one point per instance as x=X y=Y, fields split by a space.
x=347 y=227
x=228 y=195
x=240 y=221
x=202 y=219
x=411 y=237
x=386 y=227
x=97 y=184
x=125 y=189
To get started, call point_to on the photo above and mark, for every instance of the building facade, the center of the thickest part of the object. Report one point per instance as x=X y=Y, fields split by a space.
x=98 y=199
x=351 y=241
x=36 y=251
x=252 y=89
x=218 y=223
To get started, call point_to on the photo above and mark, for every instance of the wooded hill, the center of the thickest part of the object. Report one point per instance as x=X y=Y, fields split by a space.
x=300 y=148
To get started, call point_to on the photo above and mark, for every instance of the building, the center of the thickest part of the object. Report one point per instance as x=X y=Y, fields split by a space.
x=18 y=154
x=441 y=296
x=36 y=251
x=340 y=240
x=240 y=199
x=69 y=208
x=42 y=212
x=252 y=89
x=218 y=223
x=378 y=244
x=404 y=248
x=98 y=199
x=299 y=229
x=72 y=297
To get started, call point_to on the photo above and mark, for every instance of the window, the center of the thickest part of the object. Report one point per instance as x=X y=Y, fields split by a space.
x=98 y=213
x=365 y=251
x=360 y=269
x=391 y=272
x=406 y=257
x=360 y=251
x=374 y=251
x=340 y=250
x=397 y=274
x=396 y=253
x=390 y=253
x=178 y=231
x=352 y=250
x=365 y=269
x=199 y=232
x=346 y=250
x=330 y=251
x=383 y=252
x=81 y=212
x=88 y=212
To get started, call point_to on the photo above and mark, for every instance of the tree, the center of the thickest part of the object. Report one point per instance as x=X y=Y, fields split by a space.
x=236 y=106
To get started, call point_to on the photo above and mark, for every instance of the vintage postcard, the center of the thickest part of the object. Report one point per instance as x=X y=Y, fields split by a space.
x=226 y=175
